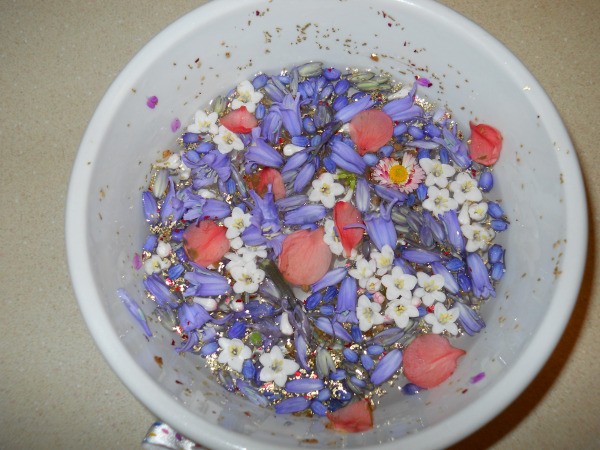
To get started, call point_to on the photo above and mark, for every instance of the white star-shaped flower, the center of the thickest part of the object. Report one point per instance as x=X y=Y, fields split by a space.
x=246 y=96
x=367 y=313
x=383 y=259
x=401 y=310
x=478 y=211
x=464 y=187
x=155 y=264
x=247 y=277
x=478 y=237
x=373 y=285
x=275 y=367
x=233 y=353
x=398 y=284
x=438 y=201
x=430 y=289
x=227 y=140
x=204 y=123
x=437 y=173
x=236 y=223
x=363 y=270
x=325 y=189
x=442 y=319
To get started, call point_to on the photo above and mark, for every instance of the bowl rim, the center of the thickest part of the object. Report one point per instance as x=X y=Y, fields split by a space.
x=491 y=402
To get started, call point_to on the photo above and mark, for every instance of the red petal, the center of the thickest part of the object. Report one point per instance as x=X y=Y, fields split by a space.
x=304 y=257
x=370 y=130
x=485 y=145
x=353 y=418
x=205 y=243
x=429 y=360
x=344 y=215
x=270 y=176
x=239 y=120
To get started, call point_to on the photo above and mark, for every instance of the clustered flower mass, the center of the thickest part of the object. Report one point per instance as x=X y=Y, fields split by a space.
x=312 y=226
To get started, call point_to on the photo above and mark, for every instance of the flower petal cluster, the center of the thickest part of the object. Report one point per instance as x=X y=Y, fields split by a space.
x=246 y=96
x=367 y=313
x=233 y=353
x=443 y=319
x=404 y=176
x=430 y=288
x=276 y=368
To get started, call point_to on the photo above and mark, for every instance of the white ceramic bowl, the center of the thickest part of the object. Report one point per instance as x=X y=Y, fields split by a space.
x=212 y=49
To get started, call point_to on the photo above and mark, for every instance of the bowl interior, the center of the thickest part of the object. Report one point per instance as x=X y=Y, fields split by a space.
x=213 y=48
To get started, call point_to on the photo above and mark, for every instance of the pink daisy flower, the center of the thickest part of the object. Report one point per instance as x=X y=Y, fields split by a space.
x=404 y=176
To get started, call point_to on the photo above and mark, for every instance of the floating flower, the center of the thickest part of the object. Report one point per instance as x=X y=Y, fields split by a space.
x=204 y=123
x=485 y=144
x=478 y=237
x=437 y=172
x=478 y=211
x=233 y=353
x=156 y=264
x=442 y=319
x=438 y=201
x=367 y=313
x=206 y=242
x=383 y=259
x=430 y=287
x=304 y=257
x=401 y=311
x=246 y=97
x=325 y=189
x=236 y=223
x=373 y=285
x=464 y=188
x=151 y=102
x=398 y=284
x=370 y=130
x=404 y=176
x=227 y=140
x=348 y=225
x=363 y=271
x=275 y=367
x=331 y=238
x=247 y=278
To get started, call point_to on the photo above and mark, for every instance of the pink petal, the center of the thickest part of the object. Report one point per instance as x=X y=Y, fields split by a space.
x=152 y=102
x=269 y=176
x=205 y=243
x=429 y=360
x=352 y=418
x=239 y=120
x=305 y=258
x=345 y=215
x=370 y=130
x=485 y=145
x=175 y=124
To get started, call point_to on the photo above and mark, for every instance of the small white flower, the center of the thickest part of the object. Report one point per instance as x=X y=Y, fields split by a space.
x=465 y=188
x=227 y=140
x=246 y=96
x=247 y=277
x=290 y=149
x=430 y=288
x=398 y=284
x=252 y=253
x=438 y=201
x=237 y=305
x=236 y=243
x=275 y=367
x=204 y=123
x=234 y=353
x=155 y=264
x=367 y=313
x=163 y=249
x=209 y=304
x=383 y=259
x=236 y=223
x=401 y=310
x=478 y=211
x=373 y=285
x=331 y=239
x=478 y=237
x=442 y=319
x=437 y=173
x=325 y=189
x=363 y=271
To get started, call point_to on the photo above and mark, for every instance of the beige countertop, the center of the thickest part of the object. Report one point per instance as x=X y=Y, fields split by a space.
x=57 y=58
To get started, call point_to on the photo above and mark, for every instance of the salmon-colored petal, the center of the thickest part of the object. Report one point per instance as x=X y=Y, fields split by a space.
x=304 y=257
x=344 y=216
x=239 y=120
x=370 y=130
x=205 y=243
x=429 y=360
x=485 y=145
x=352 y=418
x=269 y=176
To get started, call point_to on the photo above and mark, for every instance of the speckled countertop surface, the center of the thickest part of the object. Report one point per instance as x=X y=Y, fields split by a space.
x=57 y=58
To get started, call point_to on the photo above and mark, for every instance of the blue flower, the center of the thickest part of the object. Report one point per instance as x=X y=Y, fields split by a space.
x=172 y=207
x=156 y=286
x=135 y=310
x=261 y=153
x=305 y=215
x=381 y=230
x=150 y=207
x=386 y=367
x=205 y=283
x=482 y=287
x=346 y=302
x=289 y=110
x=192 y=316
x=348 y=112
x=469 y=319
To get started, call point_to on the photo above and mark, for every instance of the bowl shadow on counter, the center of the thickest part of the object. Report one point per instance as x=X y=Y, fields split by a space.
x=518 y=410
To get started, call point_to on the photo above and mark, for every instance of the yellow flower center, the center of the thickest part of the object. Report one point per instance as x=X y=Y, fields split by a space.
x=398 y=174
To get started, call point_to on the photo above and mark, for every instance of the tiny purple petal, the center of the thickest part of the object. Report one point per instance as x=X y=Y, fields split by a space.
x=151 y=102
x=386 y=367
x=175 y=124
x=304 y=385
x=480 y=376
x=192 y=316
x=135 y=310
x=137 y=261
x=420 y=256
x=292 y=405
x=331 y=278
x=482 y=287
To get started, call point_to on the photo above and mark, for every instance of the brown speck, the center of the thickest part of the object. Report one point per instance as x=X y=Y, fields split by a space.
x=158 y=360
x=464 y=391
x=309 y=441
x=247 y=413
x=374 y=57
x=178 y=382
x=228 y=55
